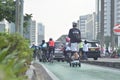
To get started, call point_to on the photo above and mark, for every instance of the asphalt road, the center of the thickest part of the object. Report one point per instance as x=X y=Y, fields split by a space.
x=63 y=71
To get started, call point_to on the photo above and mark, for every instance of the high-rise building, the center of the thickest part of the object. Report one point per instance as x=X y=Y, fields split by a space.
x=4 y=26
x=40 y=32
x=90 y=27
x=11 y=28
x=87 y=26
x=82 y=21
x=27 y=29
x=33 y=32
x=108 y=16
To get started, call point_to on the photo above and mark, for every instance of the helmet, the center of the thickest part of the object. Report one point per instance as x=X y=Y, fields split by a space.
x=74 y=24
x=50 y=39
x=67 y=39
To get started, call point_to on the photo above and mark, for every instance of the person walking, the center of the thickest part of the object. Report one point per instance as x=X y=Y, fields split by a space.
x=81 y=49
x=85 y=50
x=75 y=38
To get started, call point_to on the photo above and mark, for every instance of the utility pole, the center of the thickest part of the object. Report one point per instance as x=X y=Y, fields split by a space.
x=17 y=28
x=102 y=24
x=112 y=24
x=19 y=17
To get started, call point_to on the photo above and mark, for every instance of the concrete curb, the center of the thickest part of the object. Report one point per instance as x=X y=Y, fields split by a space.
x=106 y=64
x=42 y=73
x=50 y=73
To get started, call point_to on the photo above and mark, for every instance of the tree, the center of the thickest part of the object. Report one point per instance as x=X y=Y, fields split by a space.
x=7 y=11
x=15 y=56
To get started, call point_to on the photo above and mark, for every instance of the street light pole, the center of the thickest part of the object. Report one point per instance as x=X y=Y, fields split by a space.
x=19 y=17
x=112 y=24
x=102 y=24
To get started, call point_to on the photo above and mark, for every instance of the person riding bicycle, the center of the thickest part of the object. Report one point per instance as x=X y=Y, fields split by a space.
x=43 y=47
x=34 y=47
x=51 y=47
x=67 y=50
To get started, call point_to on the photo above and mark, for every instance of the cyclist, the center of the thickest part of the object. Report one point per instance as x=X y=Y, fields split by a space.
x=44 y=50
x=51 y=48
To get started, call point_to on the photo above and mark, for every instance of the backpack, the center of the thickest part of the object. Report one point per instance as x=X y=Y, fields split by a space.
x=44 y=45
x=76 y=35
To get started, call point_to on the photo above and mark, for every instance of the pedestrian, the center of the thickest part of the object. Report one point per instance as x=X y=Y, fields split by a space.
x=81 y=49
x=75 y=38
x=85 y=50
x=107 y=52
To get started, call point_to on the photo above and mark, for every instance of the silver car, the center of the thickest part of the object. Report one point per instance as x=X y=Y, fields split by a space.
x=59 y=54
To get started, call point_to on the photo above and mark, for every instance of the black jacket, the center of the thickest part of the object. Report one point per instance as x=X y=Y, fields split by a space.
x=71 y=36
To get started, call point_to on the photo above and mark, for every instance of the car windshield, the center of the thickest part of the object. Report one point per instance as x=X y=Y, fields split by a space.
x=58 y=44
x=92 y=44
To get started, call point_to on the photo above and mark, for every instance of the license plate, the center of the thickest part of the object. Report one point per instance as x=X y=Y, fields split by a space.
x=92 y=49
x=58 y=51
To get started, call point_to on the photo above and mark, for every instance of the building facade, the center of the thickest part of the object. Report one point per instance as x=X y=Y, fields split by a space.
x=40 y=32
x=87 y=26
x=108 y=15
x=33 y=32
x=4 y=26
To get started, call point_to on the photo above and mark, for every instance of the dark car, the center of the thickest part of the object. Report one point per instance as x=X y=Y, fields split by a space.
x=59 y=51
x=94 y=50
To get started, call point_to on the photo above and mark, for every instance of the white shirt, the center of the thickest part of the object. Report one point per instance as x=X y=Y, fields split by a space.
x=85 y=47
x=67 y=46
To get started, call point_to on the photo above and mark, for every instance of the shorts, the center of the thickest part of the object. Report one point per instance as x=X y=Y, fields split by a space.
x=74 y=47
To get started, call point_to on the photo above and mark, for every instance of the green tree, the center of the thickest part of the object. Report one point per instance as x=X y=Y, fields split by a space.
x=7 y=11
x=15 y=57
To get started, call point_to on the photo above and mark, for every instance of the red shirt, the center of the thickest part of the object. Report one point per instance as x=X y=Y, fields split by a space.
x=51 y=43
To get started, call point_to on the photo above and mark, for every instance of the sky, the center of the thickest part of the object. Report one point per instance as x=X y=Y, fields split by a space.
x=57 y=15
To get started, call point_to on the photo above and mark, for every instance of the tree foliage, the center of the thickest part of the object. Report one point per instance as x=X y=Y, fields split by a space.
x=15 y=56
x=7 y=11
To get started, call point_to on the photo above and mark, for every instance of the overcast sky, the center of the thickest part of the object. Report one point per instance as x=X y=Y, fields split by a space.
x=57 y=15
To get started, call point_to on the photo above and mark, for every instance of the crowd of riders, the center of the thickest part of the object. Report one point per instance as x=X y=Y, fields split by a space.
x=44 y=51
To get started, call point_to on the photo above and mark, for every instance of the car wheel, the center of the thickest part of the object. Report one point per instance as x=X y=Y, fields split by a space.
x=79 y=64
x=58 y=60
x=73 y=64
x=95 y=58
x=62 y=60
x=76 y=64
x=70 y=64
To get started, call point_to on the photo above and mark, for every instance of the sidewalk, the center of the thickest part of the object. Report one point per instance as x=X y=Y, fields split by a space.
x=108 y=62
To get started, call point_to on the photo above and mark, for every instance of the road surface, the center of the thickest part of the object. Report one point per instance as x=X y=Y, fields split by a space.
x=63 y=71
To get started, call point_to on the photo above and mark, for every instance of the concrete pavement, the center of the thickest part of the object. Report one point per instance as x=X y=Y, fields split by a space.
x=108 y=62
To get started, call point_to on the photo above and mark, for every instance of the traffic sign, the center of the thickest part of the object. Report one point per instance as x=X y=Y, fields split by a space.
x=116 y=29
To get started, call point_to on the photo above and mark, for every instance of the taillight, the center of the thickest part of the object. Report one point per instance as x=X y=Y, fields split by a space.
x=97 y=49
